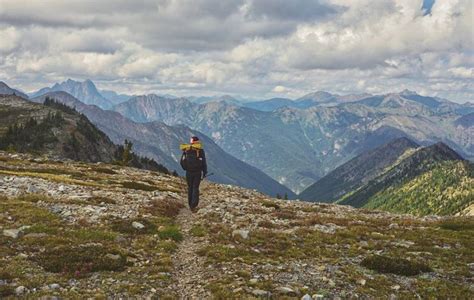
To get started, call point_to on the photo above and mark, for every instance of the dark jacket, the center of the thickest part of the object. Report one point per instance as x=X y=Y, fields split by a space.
x=201 y=155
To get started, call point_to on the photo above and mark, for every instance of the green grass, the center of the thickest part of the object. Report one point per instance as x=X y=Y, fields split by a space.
x=26 y=213
x=171 y=232
x=198 y=231
x=91 y=235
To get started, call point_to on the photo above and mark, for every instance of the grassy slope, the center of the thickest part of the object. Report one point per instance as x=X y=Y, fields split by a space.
x=445 y=190
x=288 y=241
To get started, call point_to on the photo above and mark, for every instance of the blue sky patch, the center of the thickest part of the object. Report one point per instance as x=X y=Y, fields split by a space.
x=426 y=7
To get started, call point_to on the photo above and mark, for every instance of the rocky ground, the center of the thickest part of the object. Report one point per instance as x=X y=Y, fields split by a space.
x=74 y=230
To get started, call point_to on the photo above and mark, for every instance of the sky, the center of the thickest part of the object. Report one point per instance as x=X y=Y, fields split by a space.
x=253 y=48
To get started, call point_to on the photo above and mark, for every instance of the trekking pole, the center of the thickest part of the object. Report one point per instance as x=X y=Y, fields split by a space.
x=207 y=175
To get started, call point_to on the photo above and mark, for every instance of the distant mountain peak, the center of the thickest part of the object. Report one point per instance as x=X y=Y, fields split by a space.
x=407 y=92
x=85 y=91
x=90 y=85
x=318 y=95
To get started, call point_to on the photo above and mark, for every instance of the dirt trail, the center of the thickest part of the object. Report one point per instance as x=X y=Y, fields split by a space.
x=188 y=266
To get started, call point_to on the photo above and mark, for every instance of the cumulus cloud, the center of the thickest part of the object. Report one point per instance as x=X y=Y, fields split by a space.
x=258 y=48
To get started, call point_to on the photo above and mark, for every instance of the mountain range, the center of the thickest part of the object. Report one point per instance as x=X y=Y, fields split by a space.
x=299 y=141
x=298 y=146
x=400 y=176
x=161 y=142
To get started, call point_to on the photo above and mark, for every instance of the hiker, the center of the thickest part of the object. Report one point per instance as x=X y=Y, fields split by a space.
x=193 y=161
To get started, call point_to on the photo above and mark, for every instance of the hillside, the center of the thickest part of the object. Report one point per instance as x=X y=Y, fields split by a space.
x=425 y=162
x=51 y=129
x=76 y=230
x=357 y=172
x=161 y=142
x=466 y=121
x=54 y=129
x=446 y=189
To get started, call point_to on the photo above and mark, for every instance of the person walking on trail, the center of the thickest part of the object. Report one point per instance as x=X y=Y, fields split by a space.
x=193 y=161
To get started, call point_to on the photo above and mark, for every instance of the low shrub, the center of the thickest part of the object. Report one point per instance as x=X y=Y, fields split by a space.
x=5 y=275
x=81 y=260
x=6 y=290
x=167 y=208
x=399 y=266
x=139 y=186
x=267 y=224
x=457 y=224
x=285 y=214
x=273 y=204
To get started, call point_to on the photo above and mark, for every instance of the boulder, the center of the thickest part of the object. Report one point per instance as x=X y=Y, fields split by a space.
x=241 y=232
x=138 y=225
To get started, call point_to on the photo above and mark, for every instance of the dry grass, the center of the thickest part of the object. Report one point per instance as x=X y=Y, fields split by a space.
x=167 y=207
x=285 y=214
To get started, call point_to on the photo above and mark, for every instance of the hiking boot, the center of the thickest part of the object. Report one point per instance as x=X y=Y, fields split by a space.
x=194 y=209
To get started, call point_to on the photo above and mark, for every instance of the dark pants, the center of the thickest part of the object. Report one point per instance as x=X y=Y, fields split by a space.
x=193 y=179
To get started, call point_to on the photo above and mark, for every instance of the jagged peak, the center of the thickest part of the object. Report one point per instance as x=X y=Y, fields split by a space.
x=407 y=92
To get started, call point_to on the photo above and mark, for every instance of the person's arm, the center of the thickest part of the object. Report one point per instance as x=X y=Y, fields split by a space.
x=204 y=163
x=182 y=162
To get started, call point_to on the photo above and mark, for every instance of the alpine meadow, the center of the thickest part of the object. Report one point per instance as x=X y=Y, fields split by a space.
x=247 y=149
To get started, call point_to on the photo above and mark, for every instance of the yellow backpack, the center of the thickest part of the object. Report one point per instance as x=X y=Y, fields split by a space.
x=186 y=147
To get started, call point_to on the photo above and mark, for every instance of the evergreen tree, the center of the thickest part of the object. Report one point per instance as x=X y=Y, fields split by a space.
x=127 y=152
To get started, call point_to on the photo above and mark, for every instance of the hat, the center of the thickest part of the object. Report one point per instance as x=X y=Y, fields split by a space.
x=194 y=139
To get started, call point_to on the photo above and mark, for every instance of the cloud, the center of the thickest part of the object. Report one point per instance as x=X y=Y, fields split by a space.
x=279 y=89
x=299 y=10
x=259 y=48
